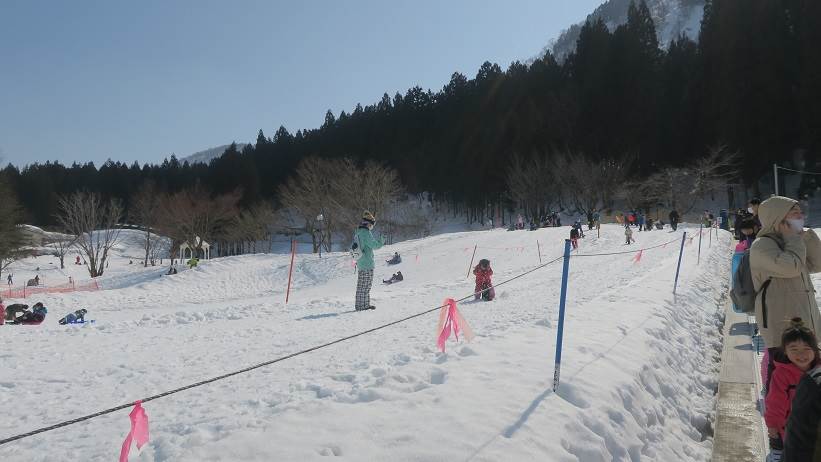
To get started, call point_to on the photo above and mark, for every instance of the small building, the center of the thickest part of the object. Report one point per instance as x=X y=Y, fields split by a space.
x=187 y=251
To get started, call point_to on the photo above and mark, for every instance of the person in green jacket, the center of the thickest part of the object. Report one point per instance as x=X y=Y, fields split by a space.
x=367 y=243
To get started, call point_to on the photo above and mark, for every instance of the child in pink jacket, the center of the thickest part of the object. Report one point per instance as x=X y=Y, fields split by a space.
x=798 y=354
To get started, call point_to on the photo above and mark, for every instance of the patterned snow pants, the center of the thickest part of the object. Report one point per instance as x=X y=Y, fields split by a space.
x=364 y=281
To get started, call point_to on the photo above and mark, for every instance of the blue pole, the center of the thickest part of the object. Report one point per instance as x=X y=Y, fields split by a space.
x=562 y=299
x=700 y=229
x=678 y=267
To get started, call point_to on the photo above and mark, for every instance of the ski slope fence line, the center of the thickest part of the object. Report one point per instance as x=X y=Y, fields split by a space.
x=25 y=292
x=305 y=351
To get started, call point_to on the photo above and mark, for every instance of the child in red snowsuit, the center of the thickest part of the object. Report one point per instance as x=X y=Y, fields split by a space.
x=484 y=287
x=798 y=354
x=574 y=237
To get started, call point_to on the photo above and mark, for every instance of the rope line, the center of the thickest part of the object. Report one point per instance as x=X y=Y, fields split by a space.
x=257 y=366
x=797 y=171
x=624 y=252
x=298 y=353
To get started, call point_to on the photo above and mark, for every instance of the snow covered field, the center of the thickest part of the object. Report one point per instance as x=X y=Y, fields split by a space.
x=639 y=366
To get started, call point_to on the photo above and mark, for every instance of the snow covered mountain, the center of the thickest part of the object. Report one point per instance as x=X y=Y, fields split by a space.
x=672 y=18
x=203 y=157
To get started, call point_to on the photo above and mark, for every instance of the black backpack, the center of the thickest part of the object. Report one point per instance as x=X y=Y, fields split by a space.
x=743 y=292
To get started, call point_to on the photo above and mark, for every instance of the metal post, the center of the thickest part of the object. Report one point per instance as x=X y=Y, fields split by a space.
x=710 y=245
x=539 y=250
x=700 y=229
x=320 y=218
x=678 y=267
x=291 y=270
x=560 y=331
x=471 y=260
x=775 y=177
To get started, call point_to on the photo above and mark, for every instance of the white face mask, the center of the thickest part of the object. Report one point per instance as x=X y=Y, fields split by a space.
x=796 y=224
x=750 y=209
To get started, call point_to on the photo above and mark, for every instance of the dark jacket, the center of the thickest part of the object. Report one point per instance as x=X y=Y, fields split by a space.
x=803 y=440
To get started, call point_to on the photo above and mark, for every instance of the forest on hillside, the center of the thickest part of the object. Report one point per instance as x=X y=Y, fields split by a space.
x=750 y=86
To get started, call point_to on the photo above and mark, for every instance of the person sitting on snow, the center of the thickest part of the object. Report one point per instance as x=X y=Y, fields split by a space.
x=75 y=317
x=396 y=277
x=13 y=310
x=395 y=260
x=36 y=316
x=484 y=286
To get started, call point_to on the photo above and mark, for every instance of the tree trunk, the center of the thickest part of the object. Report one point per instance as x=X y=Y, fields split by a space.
x=147 y=248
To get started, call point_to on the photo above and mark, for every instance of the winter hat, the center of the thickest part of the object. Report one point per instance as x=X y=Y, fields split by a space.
x=368 y=216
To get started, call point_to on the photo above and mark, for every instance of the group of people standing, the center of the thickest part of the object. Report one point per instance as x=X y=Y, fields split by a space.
x=782 y=255
x=549 y=220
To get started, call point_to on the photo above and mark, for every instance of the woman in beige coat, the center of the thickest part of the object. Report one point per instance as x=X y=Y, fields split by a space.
x=781 y=260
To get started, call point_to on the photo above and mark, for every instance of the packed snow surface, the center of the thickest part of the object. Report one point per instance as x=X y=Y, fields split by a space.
x=638 y=375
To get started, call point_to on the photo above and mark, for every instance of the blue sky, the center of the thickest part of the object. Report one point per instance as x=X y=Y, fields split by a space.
x=137 y=80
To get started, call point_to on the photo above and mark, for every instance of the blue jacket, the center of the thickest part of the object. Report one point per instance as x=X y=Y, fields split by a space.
x=368 y=244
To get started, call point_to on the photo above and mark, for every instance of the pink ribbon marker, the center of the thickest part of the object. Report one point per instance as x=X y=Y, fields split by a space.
x=637 y=258
x=451 y=320
x=138 y=432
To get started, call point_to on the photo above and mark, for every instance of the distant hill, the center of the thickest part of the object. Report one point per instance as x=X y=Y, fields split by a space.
x=671 y=17
x=203 y=157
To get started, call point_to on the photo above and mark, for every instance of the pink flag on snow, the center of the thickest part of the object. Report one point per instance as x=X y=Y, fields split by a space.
x=637 y=258
x=138 y=432
x=450 y=319
x=417 y=258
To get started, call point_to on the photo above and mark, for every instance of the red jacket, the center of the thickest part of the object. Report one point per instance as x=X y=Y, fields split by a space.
x=779 y=397
x=482 y=275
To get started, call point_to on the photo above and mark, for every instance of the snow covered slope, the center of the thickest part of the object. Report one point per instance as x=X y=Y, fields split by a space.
x=638 y=372
x=204 y=157
x=672 y=18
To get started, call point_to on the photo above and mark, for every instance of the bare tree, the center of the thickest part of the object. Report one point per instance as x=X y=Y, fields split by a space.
x=193 y=216
x=339 y=190
x=62 y=246
x=591 y=185
x=251 y=227
x=146 y=213
x=532 y=184
x=307 y=193
x=94 y=222
x=682 y=187
x=371 y=186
